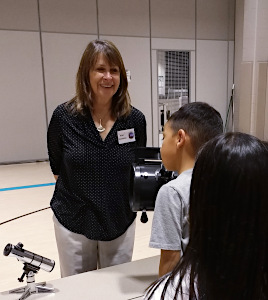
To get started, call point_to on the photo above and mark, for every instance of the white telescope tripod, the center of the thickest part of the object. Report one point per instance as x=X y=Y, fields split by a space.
x=31 y=287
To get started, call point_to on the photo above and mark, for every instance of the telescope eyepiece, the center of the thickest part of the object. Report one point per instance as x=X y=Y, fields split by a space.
x=7 y=249
x=19 y=246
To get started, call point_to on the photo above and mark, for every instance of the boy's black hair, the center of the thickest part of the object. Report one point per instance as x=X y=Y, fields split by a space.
x=199 y=120
x=265 y=144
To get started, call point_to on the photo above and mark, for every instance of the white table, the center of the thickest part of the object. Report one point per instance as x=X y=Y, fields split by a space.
x=126 y=281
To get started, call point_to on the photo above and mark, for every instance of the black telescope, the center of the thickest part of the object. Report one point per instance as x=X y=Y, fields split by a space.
x=147 y=176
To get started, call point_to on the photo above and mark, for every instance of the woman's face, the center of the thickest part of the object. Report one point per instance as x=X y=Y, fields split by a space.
x=104 y=79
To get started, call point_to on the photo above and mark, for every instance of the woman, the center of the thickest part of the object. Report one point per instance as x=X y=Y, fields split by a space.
x=91 y=143
x=227 y=255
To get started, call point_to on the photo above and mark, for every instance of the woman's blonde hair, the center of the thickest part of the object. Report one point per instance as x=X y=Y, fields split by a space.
x=83 y=101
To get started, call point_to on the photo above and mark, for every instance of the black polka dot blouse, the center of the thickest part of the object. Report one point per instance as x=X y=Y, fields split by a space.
x=91 y=195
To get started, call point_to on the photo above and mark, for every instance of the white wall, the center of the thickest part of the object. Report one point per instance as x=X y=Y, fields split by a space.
x=41 y=45
x=212 y=61
x=22 y=113
x=62 y=54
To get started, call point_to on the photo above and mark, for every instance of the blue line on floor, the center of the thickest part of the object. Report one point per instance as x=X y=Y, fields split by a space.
x=26 y=187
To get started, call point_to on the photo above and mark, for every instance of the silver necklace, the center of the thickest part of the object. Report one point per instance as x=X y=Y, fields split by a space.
x=100 y=128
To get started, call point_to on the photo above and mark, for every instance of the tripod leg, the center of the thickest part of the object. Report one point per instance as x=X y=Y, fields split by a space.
x=31 y=287
x=26 y=294
x=44 y=289
x=43 y=283
x=18 y=290
x=27 y=290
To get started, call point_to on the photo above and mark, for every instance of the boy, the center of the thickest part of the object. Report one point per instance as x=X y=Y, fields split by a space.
x=184 y=133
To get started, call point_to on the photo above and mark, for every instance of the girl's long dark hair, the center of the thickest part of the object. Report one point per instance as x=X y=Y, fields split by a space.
x=227 y=254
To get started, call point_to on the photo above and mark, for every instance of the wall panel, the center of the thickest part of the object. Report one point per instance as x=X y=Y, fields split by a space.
x=211 y=74
x=212 y=20
x=62 y=54
x=262 y=31
x=173 y=19
x=22 y=114
x=245 y=97
x=261 y=98
x=19 y=15
x=121 y=17
x=266 y=111
x=70 y=16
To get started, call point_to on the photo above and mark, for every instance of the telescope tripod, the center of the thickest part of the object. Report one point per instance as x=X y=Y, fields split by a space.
x=31 y=287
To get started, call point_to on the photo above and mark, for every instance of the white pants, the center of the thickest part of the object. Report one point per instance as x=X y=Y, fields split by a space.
x=78 y=254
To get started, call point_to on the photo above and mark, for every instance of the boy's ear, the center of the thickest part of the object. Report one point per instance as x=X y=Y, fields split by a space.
x=181 y=137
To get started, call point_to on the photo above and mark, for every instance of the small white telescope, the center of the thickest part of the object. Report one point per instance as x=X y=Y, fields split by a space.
x=32 y=264
x=29 y=257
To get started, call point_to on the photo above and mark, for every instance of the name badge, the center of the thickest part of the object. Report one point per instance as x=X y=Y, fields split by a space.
x=126 y=136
